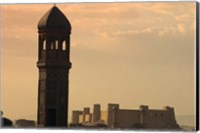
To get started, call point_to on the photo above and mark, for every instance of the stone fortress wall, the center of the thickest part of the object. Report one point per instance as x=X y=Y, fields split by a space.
x=114 y=117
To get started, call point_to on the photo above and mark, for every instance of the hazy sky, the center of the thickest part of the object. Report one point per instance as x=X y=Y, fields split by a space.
x=126 y=53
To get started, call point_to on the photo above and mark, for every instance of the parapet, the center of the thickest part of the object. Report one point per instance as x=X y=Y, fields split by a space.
x=86 y=110
x=112 y=106
x=144 y=107
x=168 y=108
x=97 y=106
x=77 y=112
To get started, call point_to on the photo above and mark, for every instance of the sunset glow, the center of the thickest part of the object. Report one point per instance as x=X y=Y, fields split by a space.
x=126 y=53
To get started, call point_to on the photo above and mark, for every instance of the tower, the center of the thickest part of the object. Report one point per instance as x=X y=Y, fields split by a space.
x=96 y=113
x=53 y=63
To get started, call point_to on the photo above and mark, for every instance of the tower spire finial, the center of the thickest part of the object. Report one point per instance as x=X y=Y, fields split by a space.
x=54 y=4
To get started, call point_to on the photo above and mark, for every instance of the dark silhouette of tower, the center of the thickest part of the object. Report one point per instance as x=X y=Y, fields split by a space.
x=54 y=63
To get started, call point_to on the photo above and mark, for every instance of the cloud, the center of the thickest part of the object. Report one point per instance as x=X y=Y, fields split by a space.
x=104 y=28
x=181 y=28
x=127 y=42
x=159 y=8
x=182 y=17
x=95 y=25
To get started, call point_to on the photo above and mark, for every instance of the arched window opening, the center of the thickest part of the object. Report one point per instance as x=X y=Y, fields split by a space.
x=56 y=45
x=63 y=46
x=44 y=45
x=51 y=47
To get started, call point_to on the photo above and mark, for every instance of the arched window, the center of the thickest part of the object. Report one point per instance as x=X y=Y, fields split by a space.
x=51 y=46
x=44 y=45
x=56 y=44
x=63 y=46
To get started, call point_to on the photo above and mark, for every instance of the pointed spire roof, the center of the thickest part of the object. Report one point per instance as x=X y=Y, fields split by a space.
x=54 y=19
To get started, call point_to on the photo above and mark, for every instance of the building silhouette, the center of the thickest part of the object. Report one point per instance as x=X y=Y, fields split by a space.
x=24 y=123
x=116 y=118
x=5 y=122
x=54 y=63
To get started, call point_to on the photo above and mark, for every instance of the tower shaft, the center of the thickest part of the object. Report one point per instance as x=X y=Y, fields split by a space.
x=54 y=64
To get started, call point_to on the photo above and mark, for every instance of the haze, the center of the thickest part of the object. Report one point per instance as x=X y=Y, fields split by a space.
x=126 y=53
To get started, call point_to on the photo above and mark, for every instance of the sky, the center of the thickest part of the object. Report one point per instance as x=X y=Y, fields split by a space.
x=128 y=53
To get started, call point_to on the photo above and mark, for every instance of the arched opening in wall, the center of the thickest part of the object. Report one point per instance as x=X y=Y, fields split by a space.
x=56 y=44
x=51 y=117
x=63 y=46
x=51 y=46
x=44 y=45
